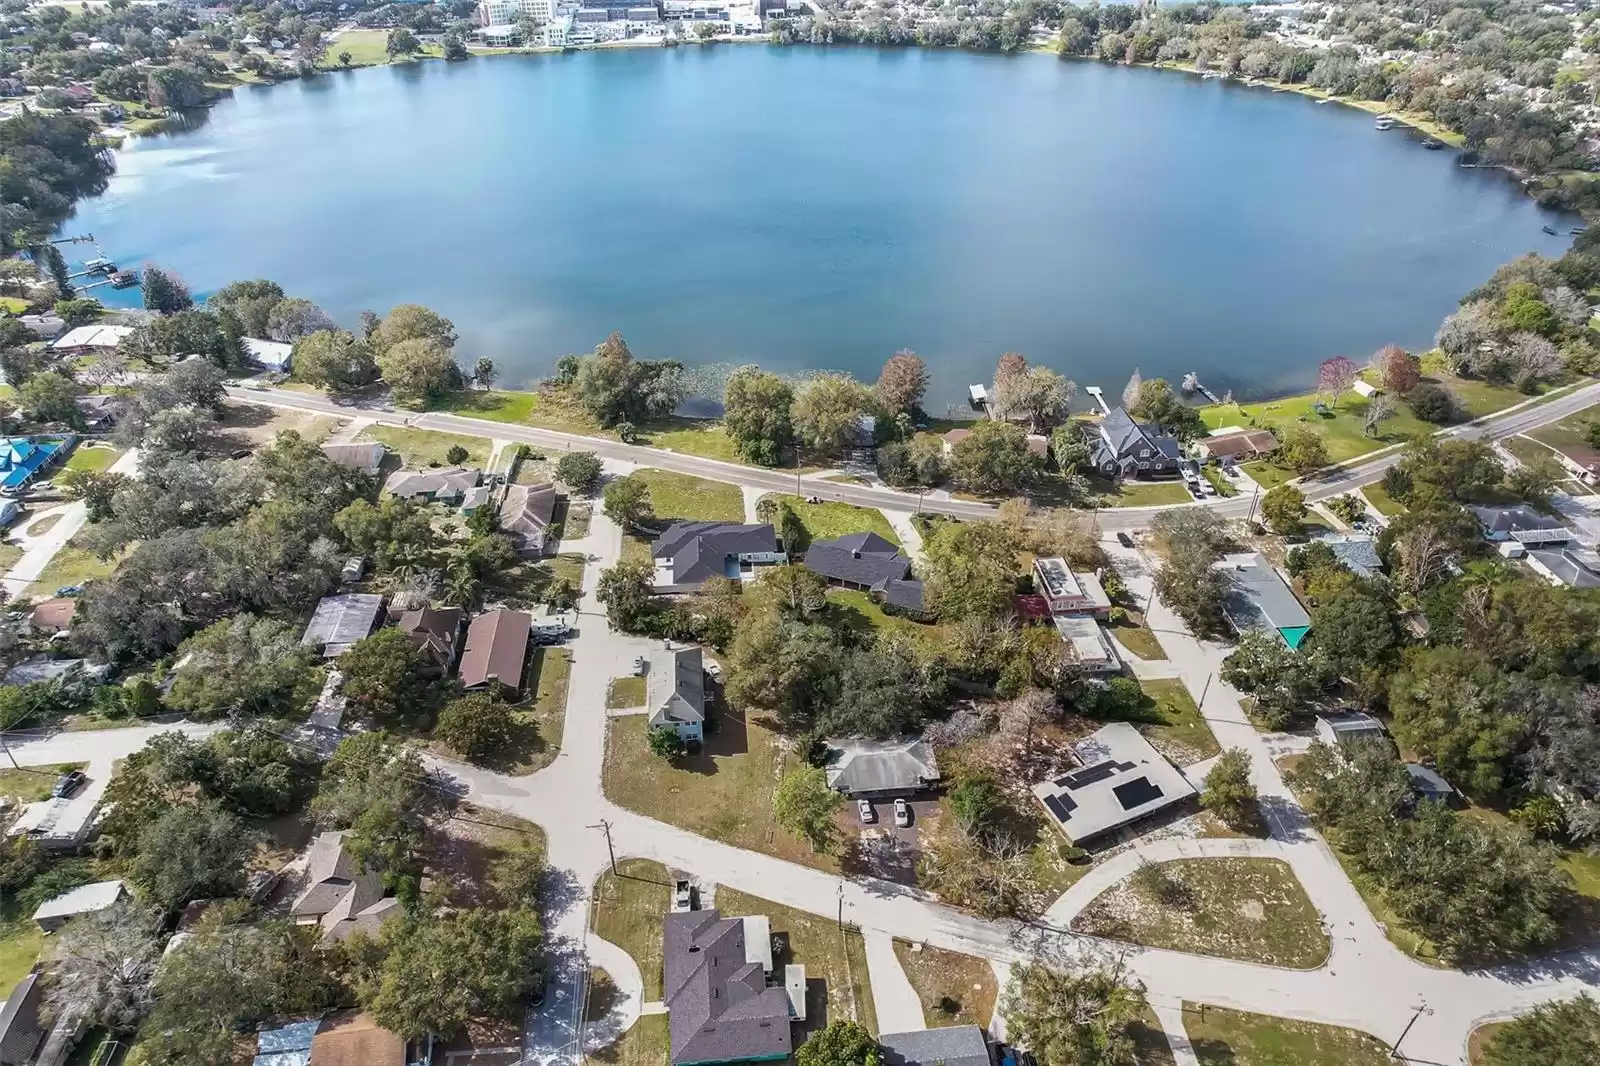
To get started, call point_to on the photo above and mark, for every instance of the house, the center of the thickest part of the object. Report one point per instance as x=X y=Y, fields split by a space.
x=867 y=562
x=365 y=456
x=720 y=1007
x=101 y=410
x=1356 y=552
x=1091 y=648
x=22 y=459
x=288 y=1045
x=355 y=1039
x=1429 y=784
x=53 y=913
x=1259 y=598
x=437 y=632
x=953 y=1045
x=1123 y=448
x=1338 y=728
x=339 y=621
x=1121 y=780
x=1032 y=609
x=446 y=485
x=496 y=651
x=1067 y=592
x=93 y=338
x=881 y=768
x=46 y=326
x=21 y=1028
x=676 y=692
x=9 y=509
x=45 y=669
x=53 y=615
x=688 y=554
x=1235 y=445
x=1522 y=524
x=1570 y=565
x=341 y=895
x=525 y=517
x=951 y=438
x=273 y=355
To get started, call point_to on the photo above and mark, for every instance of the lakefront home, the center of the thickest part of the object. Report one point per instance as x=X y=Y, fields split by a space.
x=1119 y=447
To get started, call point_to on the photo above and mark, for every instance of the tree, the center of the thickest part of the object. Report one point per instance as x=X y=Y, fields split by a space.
x=782 y=666
x=1279 y=680
x=378 y=788
x=1189 y=532
x=971 y=570
x=580 y=471
x=196 y=383
x=78 y=312
x=442 y=972
x=476 y=725
x=1073 y=1017
x=1284 y=508
x=902 y=383
x=251 y=301
x=994 y=458
x=756 y=414
x=1023 y=716
x=401 y=42
x=383 y=678
x=1038 y=394
x=190 y=853
x=1131 y=391
x=293 y=318
x=417 y=369
x=1335 y=376
x=1432 y=402
x=1069 y=448
x=164 y=292
x=827 y=413
x=666 y=743
x=412 y=322
x=1229 y=792
x=842 y=1042
x=626 y=590
x=484 y=373
x=104 y=966
x=455 y=49
x=56 y=264
x=52 y=397
x=627 y=501
x=335 y=359
x=1460 y=708
x=805 y=805
x=1195 y=590
x=1535 y=482
x=1380 y=409
x=242 y=666
x=1353 y=625
x=884 y=688
x=1302 y=450
x=614 y=388
x=1552 y=1034
x=977 y=803
x=798 y=592
x=1161 y=404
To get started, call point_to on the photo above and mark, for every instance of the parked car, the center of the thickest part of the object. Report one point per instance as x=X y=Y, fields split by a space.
x=713 y=670
x=1124 y=540
x=864 y=809
x=682 y=895
x=902 y=813
x=1208 y=488
x=639 y=665
x=68 y=783
x=70 y=590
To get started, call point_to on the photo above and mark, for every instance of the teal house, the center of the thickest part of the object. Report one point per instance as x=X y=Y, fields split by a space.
x=22 y=459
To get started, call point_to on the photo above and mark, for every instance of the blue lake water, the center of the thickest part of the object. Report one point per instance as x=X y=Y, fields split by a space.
x=820 y=208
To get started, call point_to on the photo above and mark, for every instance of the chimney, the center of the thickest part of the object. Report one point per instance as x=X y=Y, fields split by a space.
x=855 y=553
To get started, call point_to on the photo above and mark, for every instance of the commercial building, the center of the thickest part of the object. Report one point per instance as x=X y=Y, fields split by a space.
x=1121 y=780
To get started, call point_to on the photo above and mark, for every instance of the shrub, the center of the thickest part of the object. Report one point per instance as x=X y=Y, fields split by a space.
x=1433 y=403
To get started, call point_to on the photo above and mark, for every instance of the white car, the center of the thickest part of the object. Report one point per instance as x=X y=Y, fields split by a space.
x=638 y=664
x=902 y=813
x=864 y=809
x=714 y=671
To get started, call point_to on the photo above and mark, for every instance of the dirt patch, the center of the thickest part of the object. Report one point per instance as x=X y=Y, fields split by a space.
x=245 y=425
x=465 y=846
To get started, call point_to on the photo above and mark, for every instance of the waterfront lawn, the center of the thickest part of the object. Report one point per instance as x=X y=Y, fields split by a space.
x=489 y=404
x=628 y=910
x=676 y=496
x=691 y=436
x=1381 y=501
x=1172 y=723
x=367 y=48
x=419 y=448
x=955 y=989
x=1252 y=910
x=835 y=959
x=723 y=792
x=824 y=521
x=92 y=459
x=1223 y=1037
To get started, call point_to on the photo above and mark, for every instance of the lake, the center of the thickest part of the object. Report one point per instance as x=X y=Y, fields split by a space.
x=814 y=208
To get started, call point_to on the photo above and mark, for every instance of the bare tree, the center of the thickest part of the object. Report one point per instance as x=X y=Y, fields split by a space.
x=1532 y=357
x=1130 y=391
x=968 y=721
x=1423 y=555
x=104 y=966
x=1380 y=408
x=1019 y=718
x=1335 y=376
x=108 y=369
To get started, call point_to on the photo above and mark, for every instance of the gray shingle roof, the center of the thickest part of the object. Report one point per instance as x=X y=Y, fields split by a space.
x=1258 y=597
x=860 y=559
x=20 y=1027
x=447 y=483
x=719 y=1008
x=904 y=764
x=1509 y=521
x=527 y=512
x=700 y=550
x=677 y=688
x=955 y=1045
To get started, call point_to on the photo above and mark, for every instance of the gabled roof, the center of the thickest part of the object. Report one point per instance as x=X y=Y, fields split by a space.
x=357 y=1040
x=93 y=337
x=699 y=551
x=1356 y=552
x=677 y=687
x=435 y=629
x=1259 y=598
x=20 y=1028
x=357 y=455
x=904 y=593
x=1240 y=442
x=955 y=1045
x=1121 y=438
x=496 y=649
x=1428 y=781
x=860 y=765
x=448 y=482
x=334 y=877
x=1521 y=522
x=719 y=1008
x=1575 y=568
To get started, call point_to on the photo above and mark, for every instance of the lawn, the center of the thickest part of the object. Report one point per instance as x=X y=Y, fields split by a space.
x=691 y=436
x=366 y=48
x=1479 y=1040
x=1381 y=501
x=1529 y=451
x=646 y=1044
x=628 y=909
x=422 y=447
x=837 y=958
x=685 y=496
x=626 y=692
x=824 y=521
x=857 y=612
x=954 y=989
x=1223 y=1037
x=71 y=565
x=1172 y=723
x=724 y=792
x=1223 y=486
x=31 y=783
x=13 y=305
x=95 y=459
x=1139 y=639
x=20 y=943
x=548 y=410
x=1143 y=494
x=549 y=670
x=1253 y=910
x=10 y=555
x=1570 y=432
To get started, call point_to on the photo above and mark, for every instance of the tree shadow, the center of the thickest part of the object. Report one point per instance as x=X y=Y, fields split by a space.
x=1214 y=1052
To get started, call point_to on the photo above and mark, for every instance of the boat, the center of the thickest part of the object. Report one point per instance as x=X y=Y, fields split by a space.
x=1384 y=124
x=1550 y=230
x=100 y=266
x=1432 y=145
x=124 y=279
x=1575 y=230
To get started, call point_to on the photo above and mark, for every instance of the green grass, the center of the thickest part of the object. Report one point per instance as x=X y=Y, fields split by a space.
x=1585 y=870
x=1253 y=910
x=692 y=436
x=1173 y=724
x=1570 y=432
x=684 y=496
x=1530 y=451
x=628 y=908
x=824 y=521
x=32 y=783
x=94 y=459
x=366 y=48
x=71 y=565
x=20 y=942
x=549 y=671
x=1223 y=486
x=646 y=1044
x=13 y=305
x=1223 y=1037
x=858 y=612
x=626 y=692
x=10 y=555
x=421 y=447
x=1139 y=639
x=1267 y=475
x=492 y=405
x=1381 y=501
x=1142 y=493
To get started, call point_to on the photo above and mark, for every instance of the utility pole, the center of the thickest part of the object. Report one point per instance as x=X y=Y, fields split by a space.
x=841 y=906
x=1422 y=1008
x=1253 y=499
x=606 y=825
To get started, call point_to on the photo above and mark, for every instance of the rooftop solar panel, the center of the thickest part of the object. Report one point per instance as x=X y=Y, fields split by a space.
x=1134 y=793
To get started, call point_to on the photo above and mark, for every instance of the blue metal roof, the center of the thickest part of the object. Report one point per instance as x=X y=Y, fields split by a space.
x=21 y=458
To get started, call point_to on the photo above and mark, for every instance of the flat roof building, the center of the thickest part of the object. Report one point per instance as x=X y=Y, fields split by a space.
x=1067 y=592
x=53 y=913
x=1120 y=780
x=1090 y=647
x=340 y=621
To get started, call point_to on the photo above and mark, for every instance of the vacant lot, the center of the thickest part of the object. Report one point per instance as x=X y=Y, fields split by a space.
x=692 y=436
x=1381 y=501
x=1248 y=909
x=71 y=565
x=366 y=48
x=543 y=716
x=248 y=425
x=95 y=459
x=1223 y=1037
x=824 y=521
x=1142 y=493
x=625 y=692
x=835 y=960
x=628 y=910
x=682 y=496
x=421 y=447
x=954 y=989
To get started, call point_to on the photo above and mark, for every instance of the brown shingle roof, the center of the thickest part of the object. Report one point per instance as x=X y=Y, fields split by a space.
x=356 y=1040
x=435 y=630
x=54 y=615
x=497 y=647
